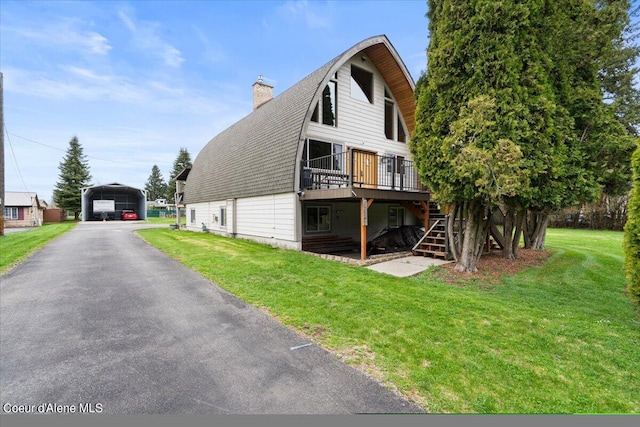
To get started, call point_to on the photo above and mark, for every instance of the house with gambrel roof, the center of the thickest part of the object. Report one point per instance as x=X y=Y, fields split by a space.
x=324 y=163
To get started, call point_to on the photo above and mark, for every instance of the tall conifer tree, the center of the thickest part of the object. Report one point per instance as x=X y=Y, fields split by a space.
x=156 y=187
x=74 y=175
x=181 y=162
x=632 y=235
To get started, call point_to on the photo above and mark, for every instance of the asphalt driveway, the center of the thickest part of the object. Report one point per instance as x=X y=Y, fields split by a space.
x=99 y=319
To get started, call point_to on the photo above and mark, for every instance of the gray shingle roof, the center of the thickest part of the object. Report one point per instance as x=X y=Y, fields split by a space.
x=257 y=155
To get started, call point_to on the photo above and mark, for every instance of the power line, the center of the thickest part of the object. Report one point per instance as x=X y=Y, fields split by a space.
x=64 y=151
x=16 y=160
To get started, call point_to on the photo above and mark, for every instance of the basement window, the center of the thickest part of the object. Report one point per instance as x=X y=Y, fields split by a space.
x=396 y=217
x=318 y=219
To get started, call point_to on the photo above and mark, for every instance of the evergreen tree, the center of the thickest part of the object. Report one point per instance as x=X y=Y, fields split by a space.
x=74 y=175
x=510 y=114
x=181 y=162
x=632 y=234
x=156 y=187
x=583 y=40
x=483 y=113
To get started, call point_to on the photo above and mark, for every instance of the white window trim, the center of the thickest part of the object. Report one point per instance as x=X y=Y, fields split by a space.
x=318 y=106
x=397 y=118
x=11 y=216
x=400 y=216
x=223 y=217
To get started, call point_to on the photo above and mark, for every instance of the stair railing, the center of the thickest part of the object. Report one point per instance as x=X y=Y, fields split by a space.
x=417 y=245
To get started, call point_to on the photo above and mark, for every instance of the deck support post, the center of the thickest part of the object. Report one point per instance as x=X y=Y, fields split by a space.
x=364 y=221
x=425 y=218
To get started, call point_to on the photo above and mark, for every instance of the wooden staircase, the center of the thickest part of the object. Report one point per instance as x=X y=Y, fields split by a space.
x=434 y=242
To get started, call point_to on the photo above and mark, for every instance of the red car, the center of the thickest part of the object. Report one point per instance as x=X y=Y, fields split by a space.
x=128 y=214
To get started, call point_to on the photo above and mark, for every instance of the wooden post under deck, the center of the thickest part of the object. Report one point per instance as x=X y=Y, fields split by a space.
x=425 y=207
x=364 y=206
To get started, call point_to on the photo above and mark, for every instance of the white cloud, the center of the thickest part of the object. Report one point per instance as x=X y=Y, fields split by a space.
x=172 y=56
x=128 y=22
x=96 y=43
x=210 y=52
x=67 y=34
x=83 y=84
x=311 y=15
x=147 y=40
x=75 y=84
x=307 y=12
x=87 y=74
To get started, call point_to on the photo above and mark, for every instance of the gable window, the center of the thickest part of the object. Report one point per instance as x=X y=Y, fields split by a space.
x=318 y=219
x=389 y=113
x=402 y=135
x=329 y=104
x=393 y=126
x=361 y=84
x=10 y=213
x=223 y=217
x=396 y=216
x=326 y=110
x=322 y=155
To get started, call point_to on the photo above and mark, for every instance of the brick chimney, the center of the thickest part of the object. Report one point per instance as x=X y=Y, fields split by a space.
x=262 y=93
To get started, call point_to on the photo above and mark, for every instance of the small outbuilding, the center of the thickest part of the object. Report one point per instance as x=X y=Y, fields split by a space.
x=22 y=209
x=106 y=201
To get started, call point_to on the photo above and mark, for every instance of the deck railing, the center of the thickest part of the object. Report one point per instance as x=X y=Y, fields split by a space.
x=362 y=169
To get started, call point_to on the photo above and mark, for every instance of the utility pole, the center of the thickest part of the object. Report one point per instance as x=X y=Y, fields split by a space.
x=1 y=155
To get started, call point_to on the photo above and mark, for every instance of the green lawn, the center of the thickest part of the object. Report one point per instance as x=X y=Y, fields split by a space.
x=561 y=338
x=16 y=247
x=165 y=220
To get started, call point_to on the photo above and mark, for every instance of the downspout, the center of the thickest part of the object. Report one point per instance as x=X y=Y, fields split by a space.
x=234 y=218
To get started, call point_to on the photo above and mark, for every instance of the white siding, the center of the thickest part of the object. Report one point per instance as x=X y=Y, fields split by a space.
x=265 y=219
x=231 y=220
x=270 y=217
x=202 y=215
x=360 y=124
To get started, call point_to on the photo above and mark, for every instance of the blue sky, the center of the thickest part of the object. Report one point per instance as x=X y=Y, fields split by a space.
x=136 y=81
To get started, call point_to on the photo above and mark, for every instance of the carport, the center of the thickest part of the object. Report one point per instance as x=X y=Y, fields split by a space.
x=116 y=195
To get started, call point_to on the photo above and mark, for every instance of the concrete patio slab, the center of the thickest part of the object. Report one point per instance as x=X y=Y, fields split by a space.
x=407 y=266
